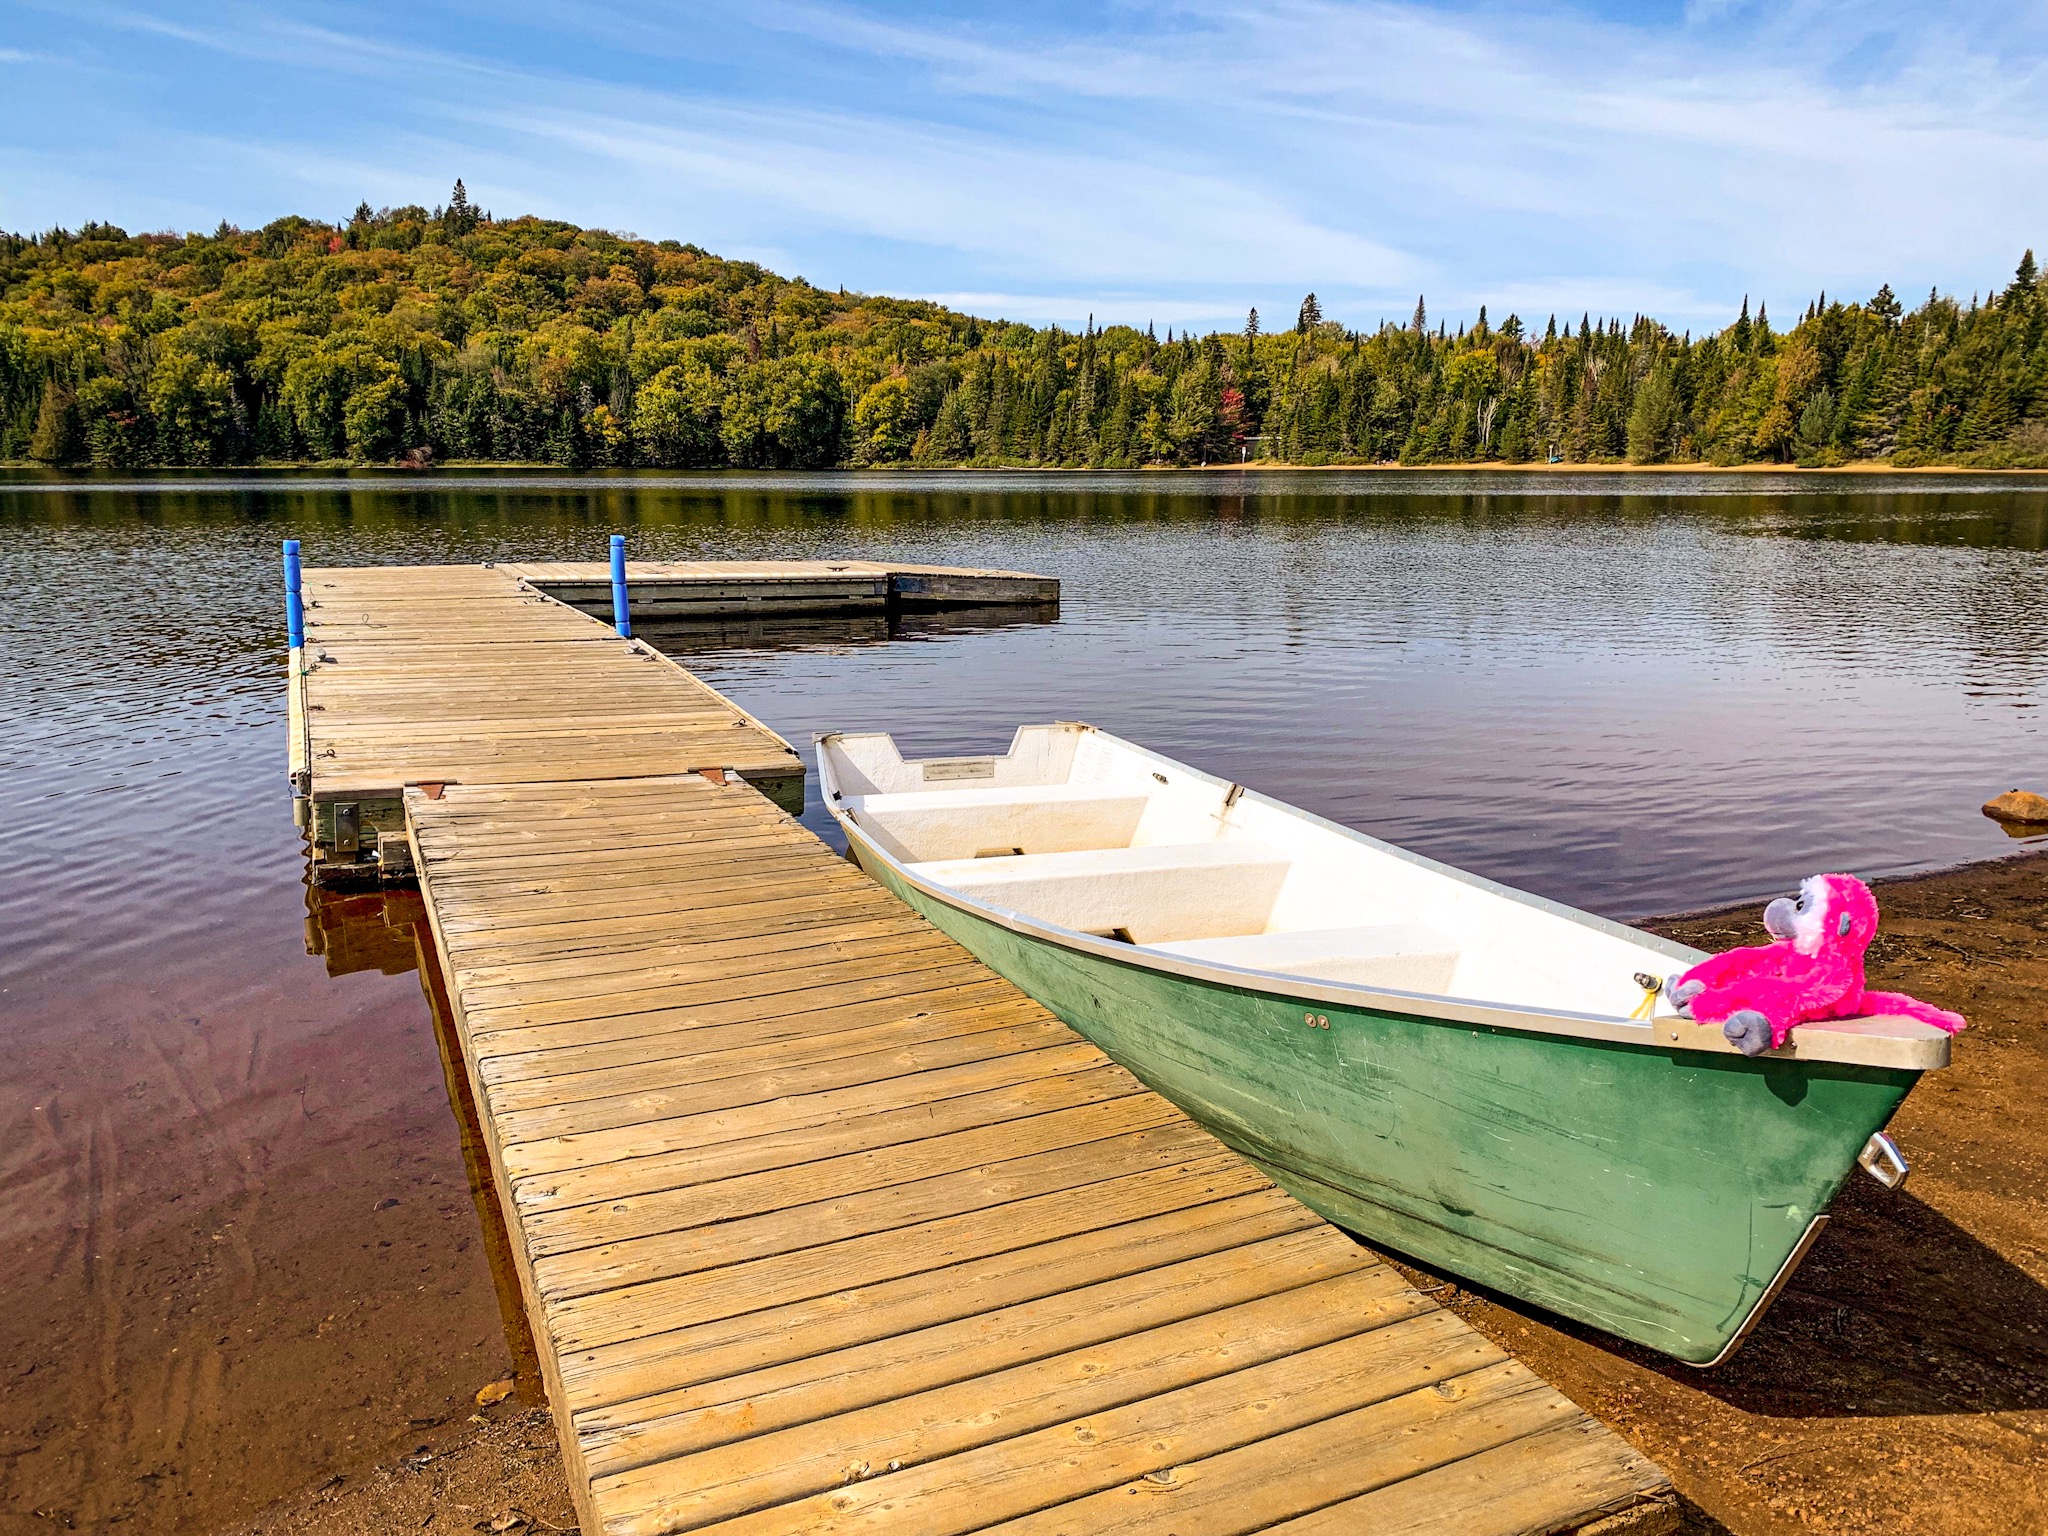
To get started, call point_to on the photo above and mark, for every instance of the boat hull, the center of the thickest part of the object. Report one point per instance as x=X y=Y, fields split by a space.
x=1660 y=1195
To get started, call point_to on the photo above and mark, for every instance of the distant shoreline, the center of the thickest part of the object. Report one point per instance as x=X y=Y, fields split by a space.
x=606 y=349
x=1856 y=467
x=1869 y=467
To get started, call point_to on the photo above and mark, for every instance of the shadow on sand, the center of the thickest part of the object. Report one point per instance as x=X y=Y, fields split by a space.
x=1897 y=1311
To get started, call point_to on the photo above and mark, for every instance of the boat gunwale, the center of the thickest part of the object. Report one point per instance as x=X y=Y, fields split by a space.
x=1668 y=1032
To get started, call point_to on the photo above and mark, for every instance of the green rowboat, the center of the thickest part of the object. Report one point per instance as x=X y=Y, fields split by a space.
x=1448 y=1067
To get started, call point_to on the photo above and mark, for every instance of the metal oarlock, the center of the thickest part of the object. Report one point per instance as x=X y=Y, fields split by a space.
x=1883 y=1161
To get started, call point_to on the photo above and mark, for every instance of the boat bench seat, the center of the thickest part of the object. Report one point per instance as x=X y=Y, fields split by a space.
x=1031 y=819
x=1406 y=956
x=1164 y=891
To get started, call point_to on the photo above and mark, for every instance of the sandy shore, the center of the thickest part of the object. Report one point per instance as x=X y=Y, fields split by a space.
x=499 y=1471
x=1900 y=1385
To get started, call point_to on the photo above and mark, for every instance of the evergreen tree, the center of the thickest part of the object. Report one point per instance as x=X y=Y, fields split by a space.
x=1654 y=418
x=1814 y=435
x=459 y=218
x=55 y=438
x=2024 y=277
x=1988 y=419
x=1310 y=317
x=1421 y=317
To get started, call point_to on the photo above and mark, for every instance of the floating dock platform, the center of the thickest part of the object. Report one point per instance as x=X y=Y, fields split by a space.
x=820 y=1226
x=718 y=589
x=478 y=674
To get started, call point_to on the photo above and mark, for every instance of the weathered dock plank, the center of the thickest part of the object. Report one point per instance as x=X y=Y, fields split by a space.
x=823 y=1227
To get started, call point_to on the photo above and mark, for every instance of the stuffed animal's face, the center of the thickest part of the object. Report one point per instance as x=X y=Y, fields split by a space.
x=1831 y=914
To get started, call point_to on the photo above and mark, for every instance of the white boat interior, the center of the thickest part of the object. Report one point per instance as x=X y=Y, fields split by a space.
x=1080 y=831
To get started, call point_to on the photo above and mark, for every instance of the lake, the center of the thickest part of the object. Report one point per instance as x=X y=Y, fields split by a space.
x=236 y=1227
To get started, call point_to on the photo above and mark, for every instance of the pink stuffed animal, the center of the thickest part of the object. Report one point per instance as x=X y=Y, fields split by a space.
x=1814 y=971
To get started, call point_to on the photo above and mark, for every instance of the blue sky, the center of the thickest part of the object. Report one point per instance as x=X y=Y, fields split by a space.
x=1137 y=161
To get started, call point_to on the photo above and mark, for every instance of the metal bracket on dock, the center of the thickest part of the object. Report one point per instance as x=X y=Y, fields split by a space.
x=394 y=858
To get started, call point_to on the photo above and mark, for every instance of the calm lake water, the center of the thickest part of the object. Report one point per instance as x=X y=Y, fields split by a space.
x=1637 y=694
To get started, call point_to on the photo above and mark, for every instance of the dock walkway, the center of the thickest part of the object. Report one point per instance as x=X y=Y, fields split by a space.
x=480 y=674
x=821 y=1226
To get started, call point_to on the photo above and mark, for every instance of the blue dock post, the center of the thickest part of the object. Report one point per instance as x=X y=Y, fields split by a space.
x=621 y=618
x=294 y=602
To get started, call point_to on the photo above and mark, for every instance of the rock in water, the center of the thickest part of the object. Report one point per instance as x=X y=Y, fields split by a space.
x=2021 y=805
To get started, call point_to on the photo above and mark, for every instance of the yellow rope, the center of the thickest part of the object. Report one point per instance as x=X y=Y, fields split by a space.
x=1648 y=1006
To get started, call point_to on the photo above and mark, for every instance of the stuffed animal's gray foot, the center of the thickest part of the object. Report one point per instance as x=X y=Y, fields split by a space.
x=1748 y=1031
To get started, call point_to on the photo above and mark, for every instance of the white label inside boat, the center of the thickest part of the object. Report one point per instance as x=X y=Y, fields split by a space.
x=941 y=769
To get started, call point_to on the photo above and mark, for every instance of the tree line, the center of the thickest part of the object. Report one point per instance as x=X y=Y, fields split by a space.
x=423 y=335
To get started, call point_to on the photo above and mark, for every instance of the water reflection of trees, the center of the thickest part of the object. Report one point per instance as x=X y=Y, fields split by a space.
x=831 y=632
x=174 y=577
x=450 y=514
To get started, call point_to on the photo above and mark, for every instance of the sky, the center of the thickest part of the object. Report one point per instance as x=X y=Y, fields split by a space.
x=1175 y=163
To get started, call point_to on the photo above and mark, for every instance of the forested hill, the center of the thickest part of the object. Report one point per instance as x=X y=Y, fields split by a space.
x=446 y=335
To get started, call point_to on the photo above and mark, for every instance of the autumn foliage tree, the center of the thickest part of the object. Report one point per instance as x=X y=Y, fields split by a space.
x=447 y=333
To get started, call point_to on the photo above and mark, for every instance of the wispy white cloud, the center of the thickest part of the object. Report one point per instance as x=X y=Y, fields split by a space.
x=1076 y=309
x=274 y=38
x=1180 y=159
x=1046 y=211
x=1476 y=142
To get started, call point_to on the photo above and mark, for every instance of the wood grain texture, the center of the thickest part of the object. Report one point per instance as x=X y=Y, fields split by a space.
x=821 y=1226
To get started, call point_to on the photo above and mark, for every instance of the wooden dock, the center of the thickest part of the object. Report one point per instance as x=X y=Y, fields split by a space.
x=823 y=1227
x=492 y=675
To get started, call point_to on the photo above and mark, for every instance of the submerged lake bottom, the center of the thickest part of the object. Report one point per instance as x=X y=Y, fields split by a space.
x=237 y=1215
